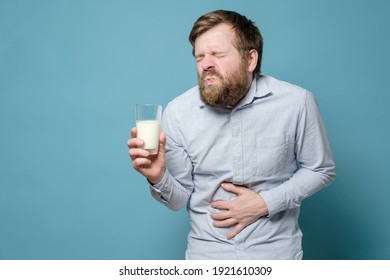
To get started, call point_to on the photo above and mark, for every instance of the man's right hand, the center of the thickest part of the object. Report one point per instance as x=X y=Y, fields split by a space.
x=150 y=166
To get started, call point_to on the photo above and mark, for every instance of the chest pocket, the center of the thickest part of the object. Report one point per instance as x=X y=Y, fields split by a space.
x=269 y=155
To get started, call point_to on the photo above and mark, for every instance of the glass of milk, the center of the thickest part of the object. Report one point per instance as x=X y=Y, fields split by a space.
x=148 y=119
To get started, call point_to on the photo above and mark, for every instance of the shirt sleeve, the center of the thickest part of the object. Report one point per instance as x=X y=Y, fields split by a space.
x=177 y=185
x=315 y=160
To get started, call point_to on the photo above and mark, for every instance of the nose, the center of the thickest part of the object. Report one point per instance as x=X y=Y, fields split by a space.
x=207 y=62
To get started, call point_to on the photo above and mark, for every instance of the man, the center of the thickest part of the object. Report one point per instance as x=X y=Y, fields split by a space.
x=242 y=150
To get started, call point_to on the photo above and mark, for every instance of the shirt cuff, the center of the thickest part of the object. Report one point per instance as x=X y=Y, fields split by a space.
x=275 y=201
x=160 y=184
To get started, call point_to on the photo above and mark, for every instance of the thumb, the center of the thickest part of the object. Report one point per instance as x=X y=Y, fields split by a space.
x=163 y=141
x=231 y=188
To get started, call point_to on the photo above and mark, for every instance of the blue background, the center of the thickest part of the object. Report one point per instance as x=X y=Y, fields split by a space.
x=72 y=71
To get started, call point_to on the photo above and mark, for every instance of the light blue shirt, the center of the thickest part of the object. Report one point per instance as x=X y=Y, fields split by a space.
x=273 y=142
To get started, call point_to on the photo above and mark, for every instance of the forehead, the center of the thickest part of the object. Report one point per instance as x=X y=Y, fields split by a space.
x=219 y=37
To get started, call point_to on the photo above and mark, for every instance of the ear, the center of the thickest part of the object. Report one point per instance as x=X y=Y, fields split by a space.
x=253 y=58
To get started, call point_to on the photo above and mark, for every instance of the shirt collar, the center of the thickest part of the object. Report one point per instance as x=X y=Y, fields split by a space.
x=258 y=89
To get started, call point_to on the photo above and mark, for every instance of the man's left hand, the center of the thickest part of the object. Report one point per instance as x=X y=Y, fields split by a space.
x=245 y=209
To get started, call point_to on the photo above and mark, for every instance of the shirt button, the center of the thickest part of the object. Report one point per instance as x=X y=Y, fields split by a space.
x=236 y=173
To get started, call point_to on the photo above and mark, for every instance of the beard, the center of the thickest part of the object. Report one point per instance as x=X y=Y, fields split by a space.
x=229 y=92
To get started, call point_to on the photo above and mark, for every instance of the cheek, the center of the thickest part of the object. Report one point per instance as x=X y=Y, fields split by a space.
x=199 y=70
x=227 y=69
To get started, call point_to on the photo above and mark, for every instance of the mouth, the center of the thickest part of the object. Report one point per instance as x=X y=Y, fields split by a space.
x=210 y=77
x=208 y=80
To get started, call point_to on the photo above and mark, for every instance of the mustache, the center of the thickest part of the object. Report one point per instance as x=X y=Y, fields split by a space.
x=210 y=73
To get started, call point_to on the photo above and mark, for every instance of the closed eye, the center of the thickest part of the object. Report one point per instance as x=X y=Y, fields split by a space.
x=219 y=54
x=199 y=58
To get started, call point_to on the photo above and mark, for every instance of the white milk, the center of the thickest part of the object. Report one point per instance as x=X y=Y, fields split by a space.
x=149 y=131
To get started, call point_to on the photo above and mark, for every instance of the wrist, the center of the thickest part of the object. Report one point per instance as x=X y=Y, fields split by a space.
x=156 y=179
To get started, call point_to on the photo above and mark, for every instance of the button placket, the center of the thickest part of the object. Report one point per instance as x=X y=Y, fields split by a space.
x=236 y=147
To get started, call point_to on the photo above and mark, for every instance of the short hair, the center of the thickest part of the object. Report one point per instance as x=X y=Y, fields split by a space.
x=248 y=36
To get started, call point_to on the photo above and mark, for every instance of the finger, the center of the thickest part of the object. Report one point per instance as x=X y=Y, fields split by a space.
x=136 y=153
x=141 y=163
x=231 y=188
x=134 y=132
x=134 y=143
x=221 y=204
x=225 y=223
x=221 y=215
x=237 y=229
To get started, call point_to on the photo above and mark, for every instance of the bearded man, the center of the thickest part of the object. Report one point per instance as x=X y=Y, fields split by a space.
x=241 y=149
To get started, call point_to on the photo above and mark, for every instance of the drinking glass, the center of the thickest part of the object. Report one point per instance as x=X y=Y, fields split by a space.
x=148 y=119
